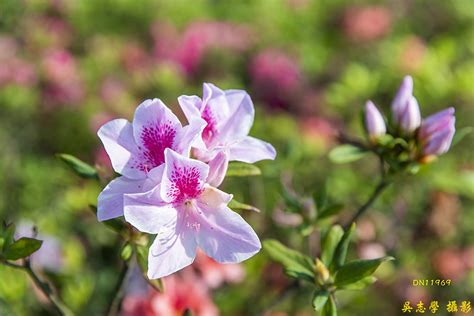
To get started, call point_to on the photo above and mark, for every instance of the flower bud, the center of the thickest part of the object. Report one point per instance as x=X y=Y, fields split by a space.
x=405 y=109
x=322 y=273
x=436 y=133
x=374 y=122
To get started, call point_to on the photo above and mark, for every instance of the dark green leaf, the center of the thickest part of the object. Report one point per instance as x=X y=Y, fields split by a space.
x=357 y=270
x=341 y=249
x=241 y=169
x=22 y=248
x=8 y=235
x=293 y=261
x=329 y=244
x=294 y=205
x=330 y=211
x=346 y=153
x=299 y=275
x=330 y=308
x=238 y=206
x=83 y=169
x=361 y=284
x=321 y=198
x=142 y=259
x=320 y=297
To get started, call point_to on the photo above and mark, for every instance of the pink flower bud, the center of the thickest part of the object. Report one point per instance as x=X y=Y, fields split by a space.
x=436 y=132
x=374 y=122
x=405 y=109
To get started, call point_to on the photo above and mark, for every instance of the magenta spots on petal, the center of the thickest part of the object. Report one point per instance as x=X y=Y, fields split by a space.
x=185 y=184
x=155 y=139
x=210 y=130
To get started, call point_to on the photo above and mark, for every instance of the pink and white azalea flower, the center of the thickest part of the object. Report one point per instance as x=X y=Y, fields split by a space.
x=186 y=213
x=229 y=115
x=136 y=149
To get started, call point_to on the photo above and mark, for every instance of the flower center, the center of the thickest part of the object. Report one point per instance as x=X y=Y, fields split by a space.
x=155 y=139
x=185 y=185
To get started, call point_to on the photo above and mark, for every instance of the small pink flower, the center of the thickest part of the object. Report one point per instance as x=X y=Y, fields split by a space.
x=186 y=213
x=276 y=77
x=136 y=150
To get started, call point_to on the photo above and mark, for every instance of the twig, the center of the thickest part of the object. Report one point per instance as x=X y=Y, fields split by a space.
x=56 y=303
x=281 y=297
x=375 y=194
x=114 y=305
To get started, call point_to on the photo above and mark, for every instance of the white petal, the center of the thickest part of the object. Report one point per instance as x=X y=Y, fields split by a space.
x=110 y=200
x=171 y=251
x=117 y=137
x=250 y=150
x=218 y=169
x=224 y=235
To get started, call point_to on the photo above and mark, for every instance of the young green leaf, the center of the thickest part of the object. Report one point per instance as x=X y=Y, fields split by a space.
x=330 y=308
x=320 y=297
x=460 y=134
x=241 y=169
x=295 y=263
x=361 y=284
x=346 y=153
x=329 y=244
x=21 y=248
x=341 y=249
x=330 y=210
x=238 y=206
x=357 y=270
x=81 y=168
x=126 y=252
x=8 y=235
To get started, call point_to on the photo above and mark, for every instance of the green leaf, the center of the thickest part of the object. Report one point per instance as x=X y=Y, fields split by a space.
x=127 y=251
x=295 y=263
x=361 y=284
x=22 y=248
x=8 y=235
x=346 y=153
x=330 y=308
x=357 y=270
x=142 y=260
x=320 y=297
x=241 y=169
x=460 y=134
x=330 y=210
x=329 y=244
x=321 y=198
x=81 y=168
x=341 y=250
x=236 y=205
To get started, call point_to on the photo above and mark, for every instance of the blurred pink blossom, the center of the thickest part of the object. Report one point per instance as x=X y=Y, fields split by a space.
x=135 y=58
x=182 y=291
x=449 y=264
x=14 y=70
x=364 y=24
x=372 y=250
x=276 y=78
x=318 y=129
x=214 y=274
x=413 y=54
x=63 y=83
x=112 y=90
x=189 y=48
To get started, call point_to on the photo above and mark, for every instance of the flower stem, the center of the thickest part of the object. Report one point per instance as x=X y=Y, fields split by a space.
x=383 y=184
x=43 y=286
x=114 y=305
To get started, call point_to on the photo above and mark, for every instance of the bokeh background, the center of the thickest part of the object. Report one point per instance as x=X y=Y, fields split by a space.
x=66 y=67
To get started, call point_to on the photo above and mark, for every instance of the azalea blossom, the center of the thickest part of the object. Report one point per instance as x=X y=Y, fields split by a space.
x=136 y=151
x=436 y=132
x=405 y=109
x=186 y=213
x=229 y=115
x=374 y=122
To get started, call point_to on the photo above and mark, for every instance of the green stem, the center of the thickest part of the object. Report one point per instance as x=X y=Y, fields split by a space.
x=114 y=305
x=383 y=184
x=56 y=303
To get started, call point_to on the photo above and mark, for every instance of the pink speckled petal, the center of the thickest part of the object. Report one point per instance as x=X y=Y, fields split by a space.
x=183 y=178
